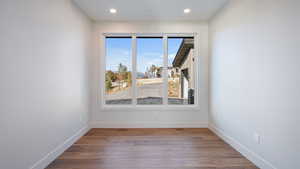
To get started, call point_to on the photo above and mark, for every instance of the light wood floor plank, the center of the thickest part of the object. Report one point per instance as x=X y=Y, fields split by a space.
x=151 y=149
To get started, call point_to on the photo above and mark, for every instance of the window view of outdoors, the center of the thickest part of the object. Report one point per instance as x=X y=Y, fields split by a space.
x=118 y=80
x=181 y=71
x=149 y=70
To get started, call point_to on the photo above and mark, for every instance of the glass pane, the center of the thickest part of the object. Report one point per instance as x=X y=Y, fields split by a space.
x=181 y=71
x=149 y=71
x=118 y=80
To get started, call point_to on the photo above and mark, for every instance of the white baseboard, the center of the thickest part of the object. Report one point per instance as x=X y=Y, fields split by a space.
x=45 y=161
x=100 y=124
x=250 y=155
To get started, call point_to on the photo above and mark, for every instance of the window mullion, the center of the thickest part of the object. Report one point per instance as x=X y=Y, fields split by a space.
x=134 y=87
x=103 y=69
x=165 y=70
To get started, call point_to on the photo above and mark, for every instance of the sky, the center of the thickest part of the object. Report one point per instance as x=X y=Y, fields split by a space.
x=149 y=52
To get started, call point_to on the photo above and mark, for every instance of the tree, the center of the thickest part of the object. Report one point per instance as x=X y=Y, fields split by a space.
x=111 y=76
x=158 y=72
x=152 y=70
x=129 y=78
x=172 y=74
x=122 y=68
x=108 y=85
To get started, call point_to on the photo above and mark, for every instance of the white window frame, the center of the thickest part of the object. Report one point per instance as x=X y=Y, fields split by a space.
x=134 y=105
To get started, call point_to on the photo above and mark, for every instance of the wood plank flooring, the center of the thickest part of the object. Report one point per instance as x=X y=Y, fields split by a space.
x=151 y=149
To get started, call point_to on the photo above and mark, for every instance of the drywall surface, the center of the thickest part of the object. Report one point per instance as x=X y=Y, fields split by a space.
x=149 y=117
x=254 y=86
x=44 y=49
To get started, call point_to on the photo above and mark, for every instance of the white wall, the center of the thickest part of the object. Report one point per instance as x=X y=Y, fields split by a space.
x=255 y=65
x=158 y=117
x=44 y=49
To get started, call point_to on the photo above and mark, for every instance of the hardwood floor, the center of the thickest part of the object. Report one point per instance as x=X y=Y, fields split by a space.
x=151 y=149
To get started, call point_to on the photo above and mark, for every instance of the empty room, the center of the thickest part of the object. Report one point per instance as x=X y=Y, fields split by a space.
x=149 y=84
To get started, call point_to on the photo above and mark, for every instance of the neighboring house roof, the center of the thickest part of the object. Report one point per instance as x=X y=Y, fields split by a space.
x=186 y=45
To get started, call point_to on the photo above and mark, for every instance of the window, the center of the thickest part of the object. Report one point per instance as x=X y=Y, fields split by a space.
x=150 y=70
x=181 y=71
x=118 y=77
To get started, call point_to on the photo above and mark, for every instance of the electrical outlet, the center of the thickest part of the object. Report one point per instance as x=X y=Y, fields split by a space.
x=257 y=138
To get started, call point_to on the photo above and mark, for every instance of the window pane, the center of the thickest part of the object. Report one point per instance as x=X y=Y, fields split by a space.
x=149 y=71
x=118 y=80
x=181 y=71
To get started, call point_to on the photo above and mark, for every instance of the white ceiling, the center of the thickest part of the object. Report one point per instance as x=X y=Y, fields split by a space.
x=145 y=10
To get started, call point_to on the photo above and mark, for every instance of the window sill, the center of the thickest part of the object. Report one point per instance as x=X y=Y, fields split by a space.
x=149 y=107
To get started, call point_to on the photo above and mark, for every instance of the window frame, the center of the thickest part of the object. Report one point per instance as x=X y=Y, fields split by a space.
x=134 y=105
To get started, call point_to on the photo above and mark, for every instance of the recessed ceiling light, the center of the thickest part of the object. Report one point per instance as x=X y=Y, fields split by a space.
x=187 y=10
x=112 y=10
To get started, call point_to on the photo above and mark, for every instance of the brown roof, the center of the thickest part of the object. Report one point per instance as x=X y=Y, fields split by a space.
x=186 y=45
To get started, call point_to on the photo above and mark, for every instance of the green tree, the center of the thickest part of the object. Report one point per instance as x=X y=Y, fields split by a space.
x=122 y=72
x=108 y=85
x=159 y=72
x=152 y=68
x=110 y=76
x=151 y=71
x=122 y=68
